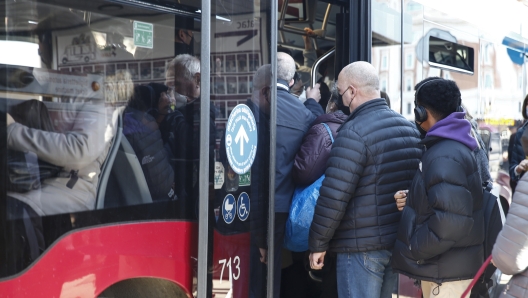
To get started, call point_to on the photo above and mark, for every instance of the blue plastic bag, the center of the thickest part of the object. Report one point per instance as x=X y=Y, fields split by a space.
x=301 y=216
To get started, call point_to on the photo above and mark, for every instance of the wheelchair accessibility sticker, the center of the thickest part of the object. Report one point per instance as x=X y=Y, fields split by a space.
x=243 y=206
x=229 y=209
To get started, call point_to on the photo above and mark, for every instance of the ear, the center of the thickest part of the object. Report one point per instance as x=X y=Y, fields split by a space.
x=292 y=81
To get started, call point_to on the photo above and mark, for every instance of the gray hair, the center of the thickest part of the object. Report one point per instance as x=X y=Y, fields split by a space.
x=362 y=75
x=262 y=78
x=185 y=65
x=285 y=67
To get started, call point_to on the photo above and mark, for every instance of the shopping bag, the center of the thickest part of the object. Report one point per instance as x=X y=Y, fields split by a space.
x=301 y=216
x=477 y=276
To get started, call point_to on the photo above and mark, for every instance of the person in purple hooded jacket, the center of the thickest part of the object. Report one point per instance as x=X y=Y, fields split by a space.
x=441 y=231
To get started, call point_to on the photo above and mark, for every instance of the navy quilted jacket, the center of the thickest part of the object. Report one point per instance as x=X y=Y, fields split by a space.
x=374 y=155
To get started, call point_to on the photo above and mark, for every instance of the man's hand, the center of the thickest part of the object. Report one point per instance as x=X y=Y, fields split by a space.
x=401 y=199
x=263 y=255
x=307 y=40
x=522 y=167
x=317 y=260
x=9 y=120
x=314 y=92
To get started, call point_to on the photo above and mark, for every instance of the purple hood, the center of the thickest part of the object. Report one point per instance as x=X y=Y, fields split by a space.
x=454 y=127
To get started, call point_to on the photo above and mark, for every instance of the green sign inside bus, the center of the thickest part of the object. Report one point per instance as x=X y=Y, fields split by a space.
x=143 y=35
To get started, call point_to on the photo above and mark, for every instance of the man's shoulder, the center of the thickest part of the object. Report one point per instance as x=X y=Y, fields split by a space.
x=379 y=120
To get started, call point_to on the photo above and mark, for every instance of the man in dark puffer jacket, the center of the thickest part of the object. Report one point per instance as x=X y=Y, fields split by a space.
x=442 y=227
x=375 y=154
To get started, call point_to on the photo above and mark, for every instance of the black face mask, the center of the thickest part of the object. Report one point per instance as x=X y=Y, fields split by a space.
x=339 y=102
x=421 y=130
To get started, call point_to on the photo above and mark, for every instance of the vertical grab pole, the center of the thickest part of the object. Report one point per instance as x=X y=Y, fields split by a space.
x=203 y=212
x=402 y=55
x=273 y=142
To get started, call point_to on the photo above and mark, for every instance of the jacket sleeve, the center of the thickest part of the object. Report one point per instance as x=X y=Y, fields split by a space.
x=309 y=57
x=517 y=154
x=510 y=252
x=345 y=166
x=310 y=161
x=451 y=204
x=74 y=149
x=314 y=107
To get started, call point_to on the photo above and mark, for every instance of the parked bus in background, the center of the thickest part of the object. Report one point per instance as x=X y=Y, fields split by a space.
x=93 y=229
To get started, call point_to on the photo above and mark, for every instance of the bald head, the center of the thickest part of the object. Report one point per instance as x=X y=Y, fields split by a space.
x=285 y=67
x=358 y=83
x=361 y=75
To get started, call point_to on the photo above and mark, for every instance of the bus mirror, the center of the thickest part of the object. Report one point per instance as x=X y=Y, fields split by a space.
x=451 y=56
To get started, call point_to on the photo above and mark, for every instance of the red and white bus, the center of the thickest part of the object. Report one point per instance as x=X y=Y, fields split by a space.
x=95 y=229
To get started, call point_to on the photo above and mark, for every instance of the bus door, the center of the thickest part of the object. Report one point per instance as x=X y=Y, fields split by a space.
x=238 y=81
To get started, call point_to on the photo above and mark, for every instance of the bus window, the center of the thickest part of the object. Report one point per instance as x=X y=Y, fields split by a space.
x=105 y=105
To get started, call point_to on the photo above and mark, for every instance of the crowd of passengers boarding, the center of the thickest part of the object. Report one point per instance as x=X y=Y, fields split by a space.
x=397 y=197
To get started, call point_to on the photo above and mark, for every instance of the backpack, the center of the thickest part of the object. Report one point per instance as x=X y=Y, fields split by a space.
x=302 y=212
x=493 y=221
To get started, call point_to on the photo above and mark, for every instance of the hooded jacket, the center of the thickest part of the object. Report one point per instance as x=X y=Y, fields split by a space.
x=374 y=155
x=441 y=232
x=310 y=161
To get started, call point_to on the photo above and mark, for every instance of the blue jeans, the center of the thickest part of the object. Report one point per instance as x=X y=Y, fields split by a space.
x=365 y=274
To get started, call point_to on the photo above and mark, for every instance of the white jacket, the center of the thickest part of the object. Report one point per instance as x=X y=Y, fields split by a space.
x=81 y=146
x=510 y=252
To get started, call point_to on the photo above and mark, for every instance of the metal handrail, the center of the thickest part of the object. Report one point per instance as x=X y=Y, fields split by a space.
x=315 y=66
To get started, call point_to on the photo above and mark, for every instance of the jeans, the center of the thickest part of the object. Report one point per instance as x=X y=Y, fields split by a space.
x=365 y=274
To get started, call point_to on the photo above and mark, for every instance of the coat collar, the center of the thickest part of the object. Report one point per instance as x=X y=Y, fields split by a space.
x=373 y=104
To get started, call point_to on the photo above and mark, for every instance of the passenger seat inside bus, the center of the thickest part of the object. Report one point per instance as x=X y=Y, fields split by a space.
x=121 y=182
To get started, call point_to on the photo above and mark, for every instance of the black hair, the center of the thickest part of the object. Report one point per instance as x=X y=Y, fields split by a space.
x=441 y=97
x=325 y=94
x=523 y=111
x=33 y=114
x=140 y=100
x=284 y=50
x=297 y=77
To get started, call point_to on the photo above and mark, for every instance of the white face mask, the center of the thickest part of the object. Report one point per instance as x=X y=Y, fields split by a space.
x=302 y=97
x=181 y=100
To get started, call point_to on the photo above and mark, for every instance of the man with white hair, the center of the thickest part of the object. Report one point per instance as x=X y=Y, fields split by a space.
x=375 y=154
x=178 y=131
x=293 y=121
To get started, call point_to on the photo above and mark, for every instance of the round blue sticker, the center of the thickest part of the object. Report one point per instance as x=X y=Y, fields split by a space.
x=229 y=208
x=243 y=206
x=241 y=139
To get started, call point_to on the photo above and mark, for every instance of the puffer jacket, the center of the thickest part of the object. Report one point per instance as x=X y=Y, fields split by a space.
x=441 y=232
x=142 y=132
x=310 y=161
x=80 y=147
x=510 y=253
x=374 y=155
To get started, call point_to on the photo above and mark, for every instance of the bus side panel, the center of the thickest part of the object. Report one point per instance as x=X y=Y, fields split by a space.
x=86 y=262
